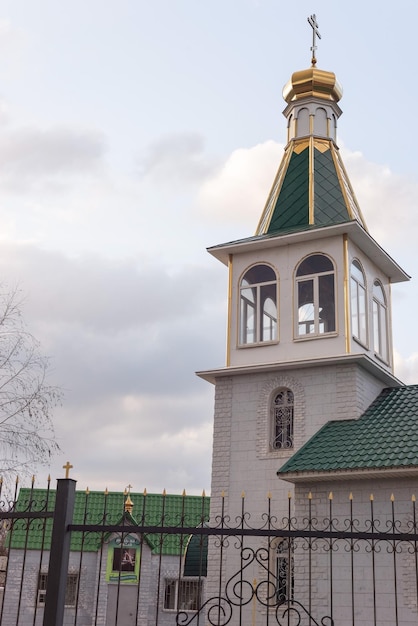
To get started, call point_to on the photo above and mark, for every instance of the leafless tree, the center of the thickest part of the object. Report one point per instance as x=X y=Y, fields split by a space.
x=26 y=400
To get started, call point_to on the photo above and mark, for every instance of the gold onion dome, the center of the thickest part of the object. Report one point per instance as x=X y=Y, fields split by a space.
x=312 y=82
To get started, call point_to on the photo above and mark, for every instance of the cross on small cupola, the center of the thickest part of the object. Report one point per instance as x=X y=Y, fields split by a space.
x=315 y=33
x=129 y=505
x=67 y=468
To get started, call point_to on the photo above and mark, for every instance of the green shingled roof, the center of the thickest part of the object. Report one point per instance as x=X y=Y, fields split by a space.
x=385 y=436
x=186 y=511
x=311 y=188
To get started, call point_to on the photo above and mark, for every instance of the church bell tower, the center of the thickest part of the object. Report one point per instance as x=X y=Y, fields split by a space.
x=309 y=306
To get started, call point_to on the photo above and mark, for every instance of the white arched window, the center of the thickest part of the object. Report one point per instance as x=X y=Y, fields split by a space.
x=358 y=303
x=380 y=339
x=258 y=305
x=282 y=417
x=315 y=294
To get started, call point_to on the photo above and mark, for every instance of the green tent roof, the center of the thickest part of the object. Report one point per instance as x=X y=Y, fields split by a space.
x=311 y=189
x=98 y=508
x=385 y=436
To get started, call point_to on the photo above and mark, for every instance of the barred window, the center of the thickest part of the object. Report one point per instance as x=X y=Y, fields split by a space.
x=282 y=420
x=70 y=591
x=284 y=571
x=182 y=595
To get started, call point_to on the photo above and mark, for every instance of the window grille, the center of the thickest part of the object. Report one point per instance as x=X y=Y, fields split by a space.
x=70 y=591
x=284 y=571
x=182 y=595
x=282 y=420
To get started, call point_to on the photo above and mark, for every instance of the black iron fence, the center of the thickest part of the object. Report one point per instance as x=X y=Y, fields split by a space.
x=80 y=559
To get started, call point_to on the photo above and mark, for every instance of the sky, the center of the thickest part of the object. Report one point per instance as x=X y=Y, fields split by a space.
x=134 y=135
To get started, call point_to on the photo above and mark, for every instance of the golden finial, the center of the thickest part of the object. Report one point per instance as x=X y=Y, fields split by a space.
x=289 y=495
x=242 y=494
x=310 y=495
x=49 y=478
x=129 y=505
x=184 y=493
x=413 y=498
x=330 y=497
x=164 y=493
x=371 y=497
x=350 y=497
x=87 y=491
x=106 y=492
x=145 y=492
x=222 y=494
x=33 y=479
x=269 y=495
x=392 y=498
x=17 y=480
x=203 y=494
x=315 y=33
x=67 y=468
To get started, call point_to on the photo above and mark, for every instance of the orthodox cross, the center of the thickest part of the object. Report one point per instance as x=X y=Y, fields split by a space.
x=67 y=468
x=315 y=33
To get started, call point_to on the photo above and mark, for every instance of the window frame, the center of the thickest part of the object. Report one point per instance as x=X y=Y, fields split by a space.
x=252 y=306
x=70 y=590
x=318 y=288
x=380 y=322
x=178 y=592
x=358 y=296
x=283 y=433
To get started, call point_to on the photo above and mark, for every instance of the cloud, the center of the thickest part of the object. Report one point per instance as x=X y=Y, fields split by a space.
x=238 y=191
x=32 y=157
x=387 y=200
x=179 y=158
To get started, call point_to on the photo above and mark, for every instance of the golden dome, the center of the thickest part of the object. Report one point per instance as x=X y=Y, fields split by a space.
x=313 y=82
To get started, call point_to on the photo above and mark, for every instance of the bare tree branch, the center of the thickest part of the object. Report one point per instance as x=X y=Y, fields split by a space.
x=26 y=400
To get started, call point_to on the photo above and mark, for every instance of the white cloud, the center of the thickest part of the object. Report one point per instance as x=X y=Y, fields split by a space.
x=32 y=157
x=238 y=192
x=178 y=159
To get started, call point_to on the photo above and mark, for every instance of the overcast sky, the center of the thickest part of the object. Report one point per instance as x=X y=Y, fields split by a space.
x=133 y=135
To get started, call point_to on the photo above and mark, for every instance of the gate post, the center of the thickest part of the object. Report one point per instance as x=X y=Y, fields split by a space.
x=60 y=552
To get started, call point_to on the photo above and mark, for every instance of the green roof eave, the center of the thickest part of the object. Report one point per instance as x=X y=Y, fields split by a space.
x=352 y=229
x=383 y=439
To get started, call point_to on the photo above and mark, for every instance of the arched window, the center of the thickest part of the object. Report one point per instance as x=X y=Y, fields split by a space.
x=282 y=420
x=315 y=296
x=358 y=303
x=303 y=122
x=258 y=305
x=380 y=340
x=284 y=571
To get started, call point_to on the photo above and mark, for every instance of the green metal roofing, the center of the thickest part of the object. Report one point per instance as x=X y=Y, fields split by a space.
x=385 y=436
x=94 y=507
x=311 y=188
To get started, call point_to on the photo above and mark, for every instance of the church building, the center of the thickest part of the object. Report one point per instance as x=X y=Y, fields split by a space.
x=307 y=408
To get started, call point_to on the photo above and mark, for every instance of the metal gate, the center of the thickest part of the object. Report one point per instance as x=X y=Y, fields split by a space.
x=83 y=567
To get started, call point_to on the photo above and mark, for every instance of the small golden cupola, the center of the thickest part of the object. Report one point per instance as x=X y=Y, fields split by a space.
x=311 y=188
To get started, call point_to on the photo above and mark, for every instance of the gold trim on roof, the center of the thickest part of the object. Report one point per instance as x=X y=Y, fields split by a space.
x=265 y=218
x=353 y=206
